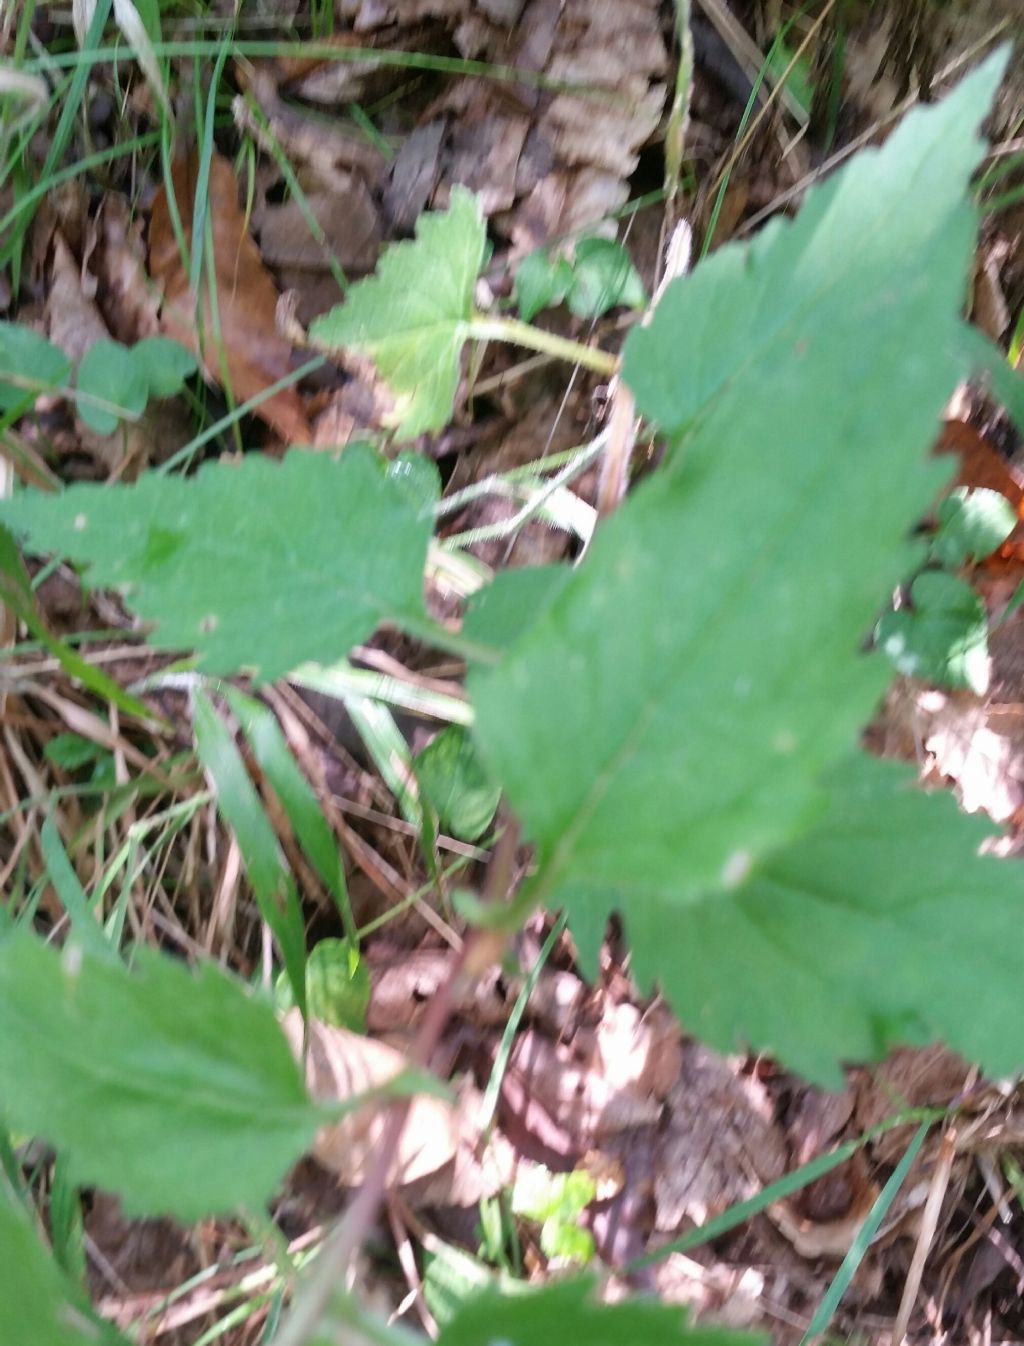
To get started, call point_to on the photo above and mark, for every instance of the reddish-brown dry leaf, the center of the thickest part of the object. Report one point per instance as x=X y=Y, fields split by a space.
x=254 y=354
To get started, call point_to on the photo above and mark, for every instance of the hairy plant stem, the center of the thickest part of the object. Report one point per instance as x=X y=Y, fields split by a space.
x=518 y=333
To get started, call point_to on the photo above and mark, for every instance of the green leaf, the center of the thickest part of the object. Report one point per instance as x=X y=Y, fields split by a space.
x=453 y=779
x=972 y=524
x=270 y=748
x=413 y=316
x=112 y=386
x=568 y=1310
x=879 y=926
x=177 y=1092
x=503 y=609
x=943 y=636
x=29 y=365
x=258 y=564
x=542 y=281
x=337 y=985
x=242 y=809
x=666 y=723
x=39 y=1305
x=603 y=277
x=166 y=364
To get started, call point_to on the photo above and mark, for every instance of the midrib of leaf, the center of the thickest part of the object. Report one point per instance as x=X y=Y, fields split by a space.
x=548 y=878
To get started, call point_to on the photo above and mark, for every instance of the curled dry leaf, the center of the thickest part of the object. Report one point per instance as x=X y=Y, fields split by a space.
x=252 y=354
x=342 y=1064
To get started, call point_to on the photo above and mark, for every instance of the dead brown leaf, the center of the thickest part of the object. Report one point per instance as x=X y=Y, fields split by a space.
x=341 y=1065
x=252 y=355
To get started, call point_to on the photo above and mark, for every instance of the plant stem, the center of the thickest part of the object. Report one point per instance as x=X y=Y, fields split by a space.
x=533 y=338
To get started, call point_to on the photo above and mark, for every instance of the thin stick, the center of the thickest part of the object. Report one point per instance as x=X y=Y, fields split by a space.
x=926 y=1236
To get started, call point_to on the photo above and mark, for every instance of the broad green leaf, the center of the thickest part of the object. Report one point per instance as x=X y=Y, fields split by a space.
x=501 y=611
x=39 y=1305
x=176 y=1091
x=603 y=277
x=337 y=985
x=453 y=780
x=972 y=524
x=880 y=925
x=665 y=723
x=413 y=316
x=112 y=386
x=242 y=809
x=258 y=565
x=29 y=365
x=943 y=636
x=568 y=1311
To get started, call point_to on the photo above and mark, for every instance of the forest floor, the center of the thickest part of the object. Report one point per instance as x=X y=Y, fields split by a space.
x=331 y=134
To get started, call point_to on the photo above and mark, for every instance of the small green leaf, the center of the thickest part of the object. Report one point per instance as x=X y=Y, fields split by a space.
x=166 y=364
x=112 y=386
x=260 y=564
x=177 y=1092
x=453 y=779
x=39 y=1305
x=542 y=281
x=72 y=751
x=29 y=365
x=568 y=1311
x=943 y=636
x=555 y=1201
x=337 y=985
x=972 y=524
x=413 y=316
x=603 y=277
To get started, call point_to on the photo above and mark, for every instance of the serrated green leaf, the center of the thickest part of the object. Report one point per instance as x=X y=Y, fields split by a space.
x=112 y=386
x=943 y=636
x=258 y=565
x=176 y=1091
x=603 y=277
x=665 y=724
x=568 y=1310
x=453 y=779
x=29 y=364
x=413 y=316
x=39 y=1306
x=972 y=524
x=881 y=925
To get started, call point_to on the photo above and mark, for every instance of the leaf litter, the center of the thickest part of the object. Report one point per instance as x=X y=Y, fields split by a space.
x=542 y=169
